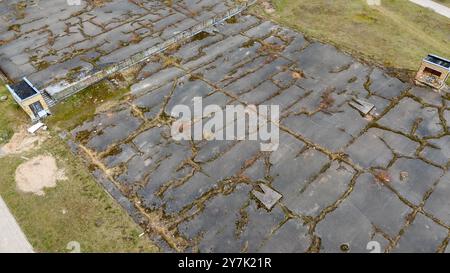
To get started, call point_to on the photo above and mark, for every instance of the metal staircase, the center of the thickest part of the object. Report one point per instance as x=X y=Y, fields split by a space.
x=50 y=102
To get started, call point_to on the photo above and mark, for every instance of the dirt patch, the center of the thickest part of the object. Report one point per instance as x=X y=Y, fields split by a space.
x=104 y=107
x=38 y=173
x=22 y=141
x=268 y=7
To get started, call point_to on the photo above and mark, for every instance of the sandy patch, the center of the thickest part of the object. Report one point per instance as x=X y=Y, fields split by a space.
x=374 y=2
x=22 y=141
x=38 y=173
x=268 y=7
x=105 y=107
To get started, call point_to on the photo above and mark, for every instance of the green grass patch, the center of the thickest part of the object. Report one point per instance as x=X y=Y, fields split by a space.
x=82 y=106
x=398 y=34
x=91 y=216
x=11 y=115
x=77 y=209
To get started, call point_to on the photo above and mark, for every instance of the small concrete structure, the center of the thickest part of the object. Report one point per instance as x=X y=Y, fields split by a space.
x=268 y=197
x=364 y=107
x=33 y=129
x=433 y=72
x=30 y=99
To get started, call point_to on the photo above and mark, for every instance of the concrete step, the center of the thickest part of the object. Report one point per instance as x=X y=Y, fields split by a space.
x=50 y=102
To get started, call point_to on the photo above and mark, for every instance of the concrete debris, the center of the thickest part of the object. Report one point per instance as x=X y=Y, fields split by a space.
x=268 y=197
x=211 y=30
x=33 y=129
x=3 y=98
x=364 y=107
x=404 y=176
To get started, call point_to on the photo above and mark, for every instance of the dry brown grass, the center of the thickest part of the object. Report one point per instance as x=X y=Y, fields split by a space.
x=396 y=35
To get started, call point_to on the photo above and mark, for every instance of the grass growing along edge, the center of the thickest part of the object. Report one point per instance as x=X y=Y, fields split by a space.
x=77 y=209
x=397 y=34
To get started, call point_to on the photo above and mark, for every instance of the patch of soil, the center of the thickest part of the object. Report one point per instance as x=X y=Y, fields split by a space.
x=38 y=173
x=374 y=2
x=105 y=107
x=22 y=141
x=298 y=75
x=268 y=7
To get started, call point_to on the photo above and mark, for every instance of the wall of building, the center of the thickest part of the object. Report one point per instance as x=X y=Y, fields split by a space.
x=25 y=104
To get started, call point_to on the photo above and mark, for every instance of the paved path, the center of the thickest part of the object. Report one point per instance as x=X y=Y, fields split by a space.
x=12 y=239
x=205 y=188
x=441 y=9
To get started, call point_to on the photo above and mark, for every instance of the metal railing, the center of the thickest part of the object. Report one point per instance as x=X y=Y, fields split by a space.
x=146 y=54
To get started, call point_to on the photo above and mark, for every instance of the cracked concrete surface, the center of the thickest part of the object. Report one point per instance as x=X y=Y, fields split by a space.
x=51 y=41
x=196 y=196
x=345 y=179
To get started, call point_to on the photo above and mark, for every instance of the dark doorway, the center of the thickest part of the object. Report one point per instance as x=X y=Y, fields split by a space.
x=36 y=107
x=432 y=72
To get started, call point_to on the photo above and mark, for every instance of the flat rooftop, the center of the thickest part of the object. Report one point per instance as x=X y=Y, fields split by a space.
x=438 y=61
x=23 y=90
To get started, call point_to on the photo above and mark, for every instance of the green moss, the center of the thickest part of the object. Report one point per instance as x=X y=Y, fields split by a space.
x=71 y=75
x=6 y=134
x=114 y=151
x=82 y=106
x=82 y=136
x=34 y=59
x=195 y=76
x=249 y=43
x=232 y=20
x=200 y=36
x=42 y=65
x=14 y=27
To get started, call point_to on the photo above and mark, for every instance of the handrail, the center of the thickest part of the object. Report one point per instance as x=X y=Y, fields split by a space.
x=142 y=56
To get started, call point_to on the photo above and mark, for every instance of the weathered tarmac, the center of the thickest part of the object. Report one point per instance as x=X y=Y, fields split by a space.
x=346 y=179
x=51 y=41
x=329 y=167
